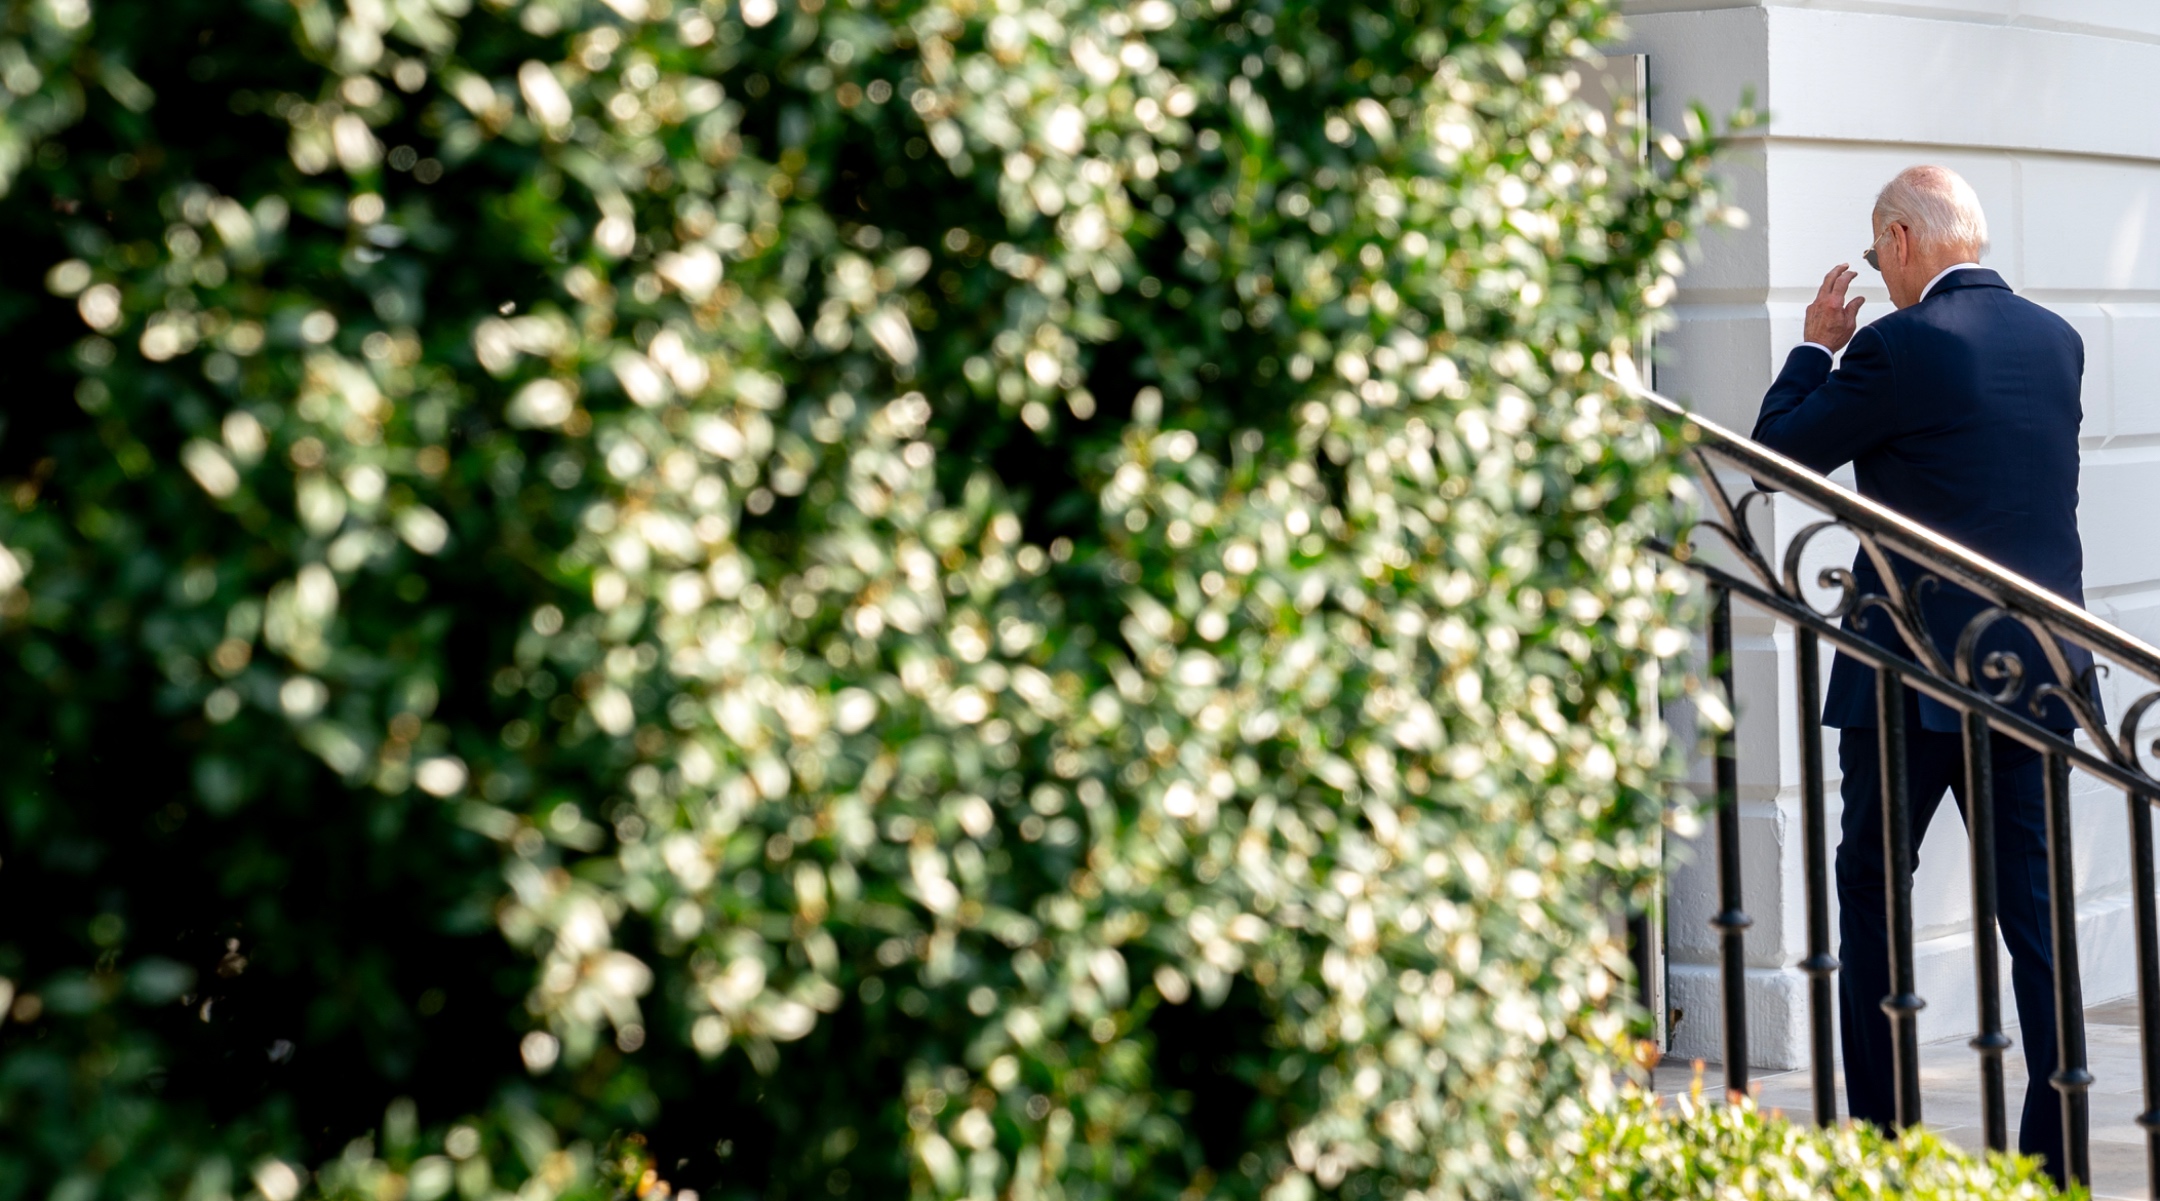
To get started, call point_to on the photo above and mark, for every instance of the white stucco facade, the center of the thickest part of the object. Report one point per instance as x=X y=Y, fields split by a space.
x=2051 y=108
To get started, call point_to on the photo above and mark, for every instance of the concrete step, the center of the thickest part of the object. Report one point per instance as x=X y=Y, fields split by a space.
x=1950 y=1094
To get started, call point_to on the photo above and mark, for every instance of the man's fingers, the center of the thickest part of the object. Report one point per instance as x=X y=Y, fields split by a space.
x=1834 y=284
x=1853 y=309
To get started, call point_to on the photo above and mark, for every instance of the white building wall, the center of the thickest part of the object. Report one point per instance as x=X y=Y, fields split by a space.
x=2051 y=108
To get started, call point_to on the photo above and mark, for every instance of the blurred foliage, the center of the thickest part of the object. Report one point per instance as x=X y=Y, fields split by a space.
x=1636 y=1149
x=854 y=597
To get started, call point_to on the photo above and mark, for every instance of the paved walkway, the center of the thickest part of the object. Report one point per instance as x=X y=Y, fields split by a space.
x=1950 y=1094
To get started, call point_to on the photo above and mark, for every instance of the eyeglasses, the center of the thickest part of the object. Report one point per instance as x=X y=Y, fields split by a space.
x=1872 y=261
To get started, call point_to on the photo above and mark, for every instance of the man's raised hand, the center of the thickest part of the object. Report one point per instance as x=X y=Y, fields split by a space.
x=1830 y=320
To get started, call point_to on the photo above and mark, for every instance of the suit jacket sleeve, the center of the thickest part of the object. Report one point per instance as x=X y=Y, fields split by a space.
x=1826 y=418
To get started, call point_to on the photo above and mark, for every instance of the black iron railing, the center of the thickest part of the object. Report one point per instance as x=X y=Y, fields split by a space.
x=1986 y=690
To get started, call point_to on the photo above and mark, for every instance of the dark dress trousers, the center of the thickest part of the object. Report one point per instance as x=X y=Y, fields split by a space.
x=1962 y=413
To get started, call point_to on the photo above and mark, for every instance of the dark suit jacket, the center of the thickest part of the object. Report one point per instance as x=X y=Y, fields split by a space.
x=1960 y=412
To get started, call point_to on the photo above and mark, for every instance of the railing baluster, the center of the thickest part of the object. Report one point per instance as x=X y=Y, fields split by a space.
x=2148 y=953
x=1732 y=919
x=1819 y=963
x=1903 y=1005
x=1991 y=1042
x=2071 y=1078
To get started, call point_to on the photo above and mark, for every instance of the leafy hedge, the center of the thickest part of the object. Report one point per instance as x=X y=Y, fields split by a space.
x=1637 y=1149
x=893 y=596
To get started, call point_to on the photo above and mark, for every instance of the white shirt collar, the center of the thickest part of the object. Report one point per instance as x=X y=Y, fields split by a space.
x=1939 y=277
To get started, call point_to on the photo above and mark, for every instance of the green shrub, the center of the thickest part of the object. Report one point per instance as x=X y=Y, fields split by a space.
x=1635 y=1148
x=912 y=597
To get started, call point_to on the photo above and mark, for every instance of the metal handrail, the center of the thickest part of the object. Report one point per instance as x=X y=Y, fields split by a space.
x=1959 y=680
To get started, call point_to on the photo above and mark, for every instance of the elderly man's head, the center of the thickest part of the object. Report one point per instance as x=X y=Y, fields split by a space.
x=1926 y=219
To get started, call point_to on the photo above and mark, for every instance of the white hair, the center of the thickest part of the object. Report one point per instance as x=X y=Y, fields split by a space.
x=1937 y=205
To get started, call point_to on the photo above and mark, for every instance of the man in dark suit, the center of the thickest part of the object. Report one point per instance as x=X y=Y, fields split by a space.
x=1960 y=410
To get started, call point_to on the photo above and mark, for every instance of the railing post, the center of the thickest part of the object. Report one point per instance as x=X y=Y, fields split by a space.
x=2071 y=1078
x=1903 y=1005
x=1820 y=963
x=2148 y=956
x=1732 y=920
x=1990 y=1041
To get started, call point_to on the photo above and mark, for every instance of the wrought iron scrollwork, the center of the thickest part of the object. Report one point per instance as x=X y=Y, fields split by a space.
x=1999 y=665
x=1912 y=565
x=2132 y=718
x=1840 y=578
